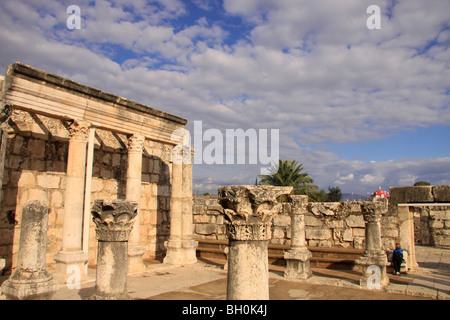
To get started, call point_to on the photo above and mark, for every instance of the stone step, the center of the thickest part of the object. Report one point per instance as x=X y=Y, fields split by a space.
x=322 y=257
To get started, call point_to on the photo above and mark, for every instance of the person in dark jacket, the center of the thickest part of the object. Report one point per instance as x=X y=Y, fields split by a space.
x=397 y=258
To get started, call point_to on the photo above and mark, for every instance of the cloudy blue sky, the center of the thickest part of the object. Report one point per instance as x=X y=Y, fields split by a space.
x=359 y=108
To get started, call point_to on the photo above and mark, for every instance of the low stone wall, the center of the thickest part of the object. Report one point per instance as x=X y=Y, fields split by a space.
x=208 y=219
x=333 y=224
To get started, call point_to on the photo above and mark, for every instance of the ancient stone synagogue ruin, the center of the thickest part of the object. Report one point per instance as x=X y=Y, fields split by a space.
x=85 y=173
x=67 y=145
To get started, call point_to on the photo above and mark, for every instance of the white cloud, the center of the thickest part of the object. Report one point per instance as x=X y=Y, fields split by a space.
x=310 y=68
x=409 y=180
x=371 y=179
x=343 y=180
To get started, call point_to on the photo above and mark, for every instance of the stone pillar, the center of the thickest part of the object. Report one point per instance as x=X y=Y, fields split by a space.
x=406 y=235
x=187 y=225
x=298 y=256
x=113 y=220
x=71 y=253
x=5 y=114
x=2 y=264
x=31 y=281
x=133 y=193
x=181 y=247
x=374 y=260
x=248 y=213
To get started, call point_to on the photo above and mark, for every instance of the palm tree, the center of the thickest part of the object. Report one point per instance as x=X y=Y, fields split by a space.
x=288 y=173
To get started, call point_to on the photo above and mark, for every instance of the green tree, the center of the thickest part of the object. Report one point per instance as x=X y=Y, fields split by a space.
x=288 y=173
x=334 y=194
x=422 y=183
x=317 y=196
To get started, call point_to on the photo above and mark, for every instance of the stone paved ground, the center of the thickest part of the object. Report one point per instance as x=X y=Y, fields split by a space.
x=208 y=282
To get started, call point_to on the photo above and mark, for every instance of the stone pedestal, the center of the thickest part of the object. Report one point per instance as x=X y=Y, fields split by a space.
x=71 y=253
x=31 y=281
x=298 y=256
x=113 y=220
x=133 y=193
x=248 y=213
x=374 y=261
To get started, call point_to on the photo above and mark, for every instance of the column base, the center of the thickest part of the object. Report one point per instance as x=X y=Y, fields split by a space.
x=71 y=267
x=373 y=266
x=100 y=296
x=297 y=264
x=34 y=286
x=135 y=259
x=181 y=252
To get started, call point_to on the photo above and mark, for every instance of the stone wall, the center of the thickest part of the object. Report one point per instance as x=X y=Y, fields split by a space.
x=429 y=207
x=432 y=225
x=334 y=224
x=35 y=168
x=208 y=219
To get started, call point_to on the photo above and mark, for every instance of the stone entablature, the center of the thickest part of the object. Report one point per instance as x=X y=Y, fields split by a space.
x=37 y=91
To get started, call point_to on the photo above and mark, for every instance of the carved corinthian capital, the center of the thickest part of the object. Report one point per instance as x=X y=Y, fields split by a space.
x=372 y=211
x=5 y=113
x=114 y=219
x=136 y=143
x=299 y=204
x=249 y=210
x=79 y=130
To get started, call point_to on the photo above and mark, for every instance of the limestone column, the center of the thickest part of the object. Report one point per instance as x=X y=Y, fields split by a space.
x=31 y=281
x=174 y=254
x=406 y=235
x=374 y=260
x=133 y=193
x=298 y=256
x=71 y=253
x=113 y=220
x=2 y=264
x=189 y=245
x=5 y=114
x=248 y=213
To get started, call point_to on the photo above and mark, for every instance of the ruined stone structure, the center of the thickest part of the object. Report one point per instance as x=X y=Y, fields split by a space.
x=73 y=144
x=114 y=221
x=248 y=213
x=66 y=145
x=412 y=214
x=332 y=224
x=433 y=204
